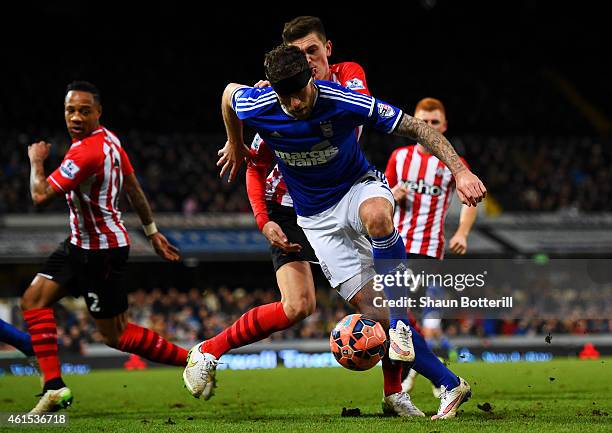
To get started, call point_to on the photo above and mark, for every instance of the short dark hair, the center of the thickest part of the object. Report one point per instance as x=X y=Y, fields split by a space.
x=299 y=27
x=283 y=62
x=85 y=86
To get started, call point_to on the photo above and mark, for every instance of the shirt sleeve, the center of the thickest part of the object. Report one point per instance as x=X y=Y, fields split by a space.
x=126 y=164
x=257 y=168
x=364 y=109
x=384 y=117
x=352 y=76
x=80 y=163
x=250 y=101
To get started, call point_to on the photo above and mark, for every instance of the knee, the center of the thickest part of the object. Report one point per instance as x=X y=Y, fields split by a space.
x=299 y=308
x=378 y=223
x=32 y=299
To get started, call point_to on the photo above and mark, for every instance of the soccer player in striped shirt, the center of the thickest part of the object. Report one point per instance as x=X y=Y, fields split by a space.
x=338 y=195
x=422 y=186
x=92 y=262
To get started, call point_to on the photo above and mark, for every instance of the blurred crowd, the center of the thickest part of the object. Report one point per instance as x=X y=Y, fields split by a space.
x=196 y=314
x=178 y=172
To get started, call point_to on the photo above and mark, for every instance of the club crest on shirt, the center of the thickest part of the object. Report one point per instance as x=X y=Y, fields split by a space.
x=326 y=128
x=385 y=111
x=69 y=169
x=354 y=84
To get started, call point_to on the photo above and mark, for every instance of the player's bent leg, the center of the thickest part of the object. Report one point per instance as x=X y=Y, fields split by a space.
x=364 y=301
x=118 y=333
x=41 y=293
x=36 y=304
x=389 y=253
x=376 y=214
x=297 y=290
x=298 y=302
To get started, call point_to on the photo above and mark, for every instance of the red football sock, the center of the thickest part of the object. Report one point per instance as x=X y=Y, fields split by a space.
x=254 y=325
x=43 y=330
x=392 y=374
x=150 y=345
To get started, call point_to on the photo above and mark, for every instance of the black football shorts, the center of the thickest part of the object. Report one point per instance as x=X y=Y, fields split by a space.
x=98 y=275
x=286 y=218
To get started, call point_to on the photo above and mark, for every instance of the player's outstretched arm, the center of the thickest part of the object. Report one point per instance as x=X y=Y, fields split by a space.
x=139 y=202
x=40 y=189
x=233 y=154
x=469 y=188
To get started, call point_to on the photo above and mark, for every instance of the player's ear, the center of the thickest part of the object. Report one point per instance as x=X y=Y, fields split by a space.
x=328 y=48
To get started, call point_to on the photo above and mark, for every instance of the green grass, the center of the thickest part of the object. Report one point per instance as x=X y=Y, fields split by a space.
x=310 y=400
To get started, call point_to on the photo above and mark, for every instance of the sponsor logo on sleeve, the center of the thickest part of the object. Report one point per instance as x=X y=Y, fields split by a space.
x=69 y=169
x=385 y=111
x=354 y=84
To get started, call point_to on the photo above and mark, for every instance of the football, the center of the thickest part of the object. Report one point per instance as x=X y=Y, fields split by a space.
x=357 y=342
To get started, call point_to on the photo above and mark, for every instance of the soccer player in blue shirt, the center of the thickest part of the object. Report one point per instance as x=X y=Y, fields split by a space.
x=340 y=198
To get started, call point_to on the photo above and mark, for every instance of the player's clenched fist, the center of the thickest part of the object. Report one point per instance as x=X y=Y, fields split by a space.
x=399 y=192
x=39 y=151
x=470 y=189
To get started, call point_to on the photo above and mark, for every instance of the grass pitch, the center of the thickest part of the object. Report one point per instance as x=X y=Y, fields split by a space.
x=556 y=396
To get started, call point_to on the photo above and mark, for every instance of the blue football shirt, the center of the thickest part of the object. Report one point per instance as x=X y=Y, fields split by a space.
x=319 y=157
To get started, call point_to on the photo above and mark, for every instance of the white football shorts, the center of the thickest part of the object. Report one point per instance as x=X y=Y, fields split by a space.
x=338 y=236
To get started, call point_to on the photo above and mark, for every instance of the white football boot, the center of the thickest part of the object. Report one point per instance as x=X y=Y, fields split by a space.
x=199 y=374
x=400 y=343
x=53 y=400
x=400 y=404
x=451 y=400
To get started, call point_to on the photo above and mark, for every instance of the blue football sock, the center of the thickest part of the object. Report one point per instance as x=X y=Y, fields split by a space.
x=389 y=257
x=428 y=365
x=13 y=336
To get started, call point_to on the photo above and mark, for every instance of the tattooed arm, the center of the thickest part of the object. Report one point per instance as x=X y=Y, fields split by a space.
x=469 y=188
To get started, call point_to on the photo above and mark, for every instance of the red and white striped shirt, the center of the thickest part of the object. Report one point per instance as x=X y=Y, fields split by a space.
x=420 y=216
x=350 y=75
x=91 y=176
